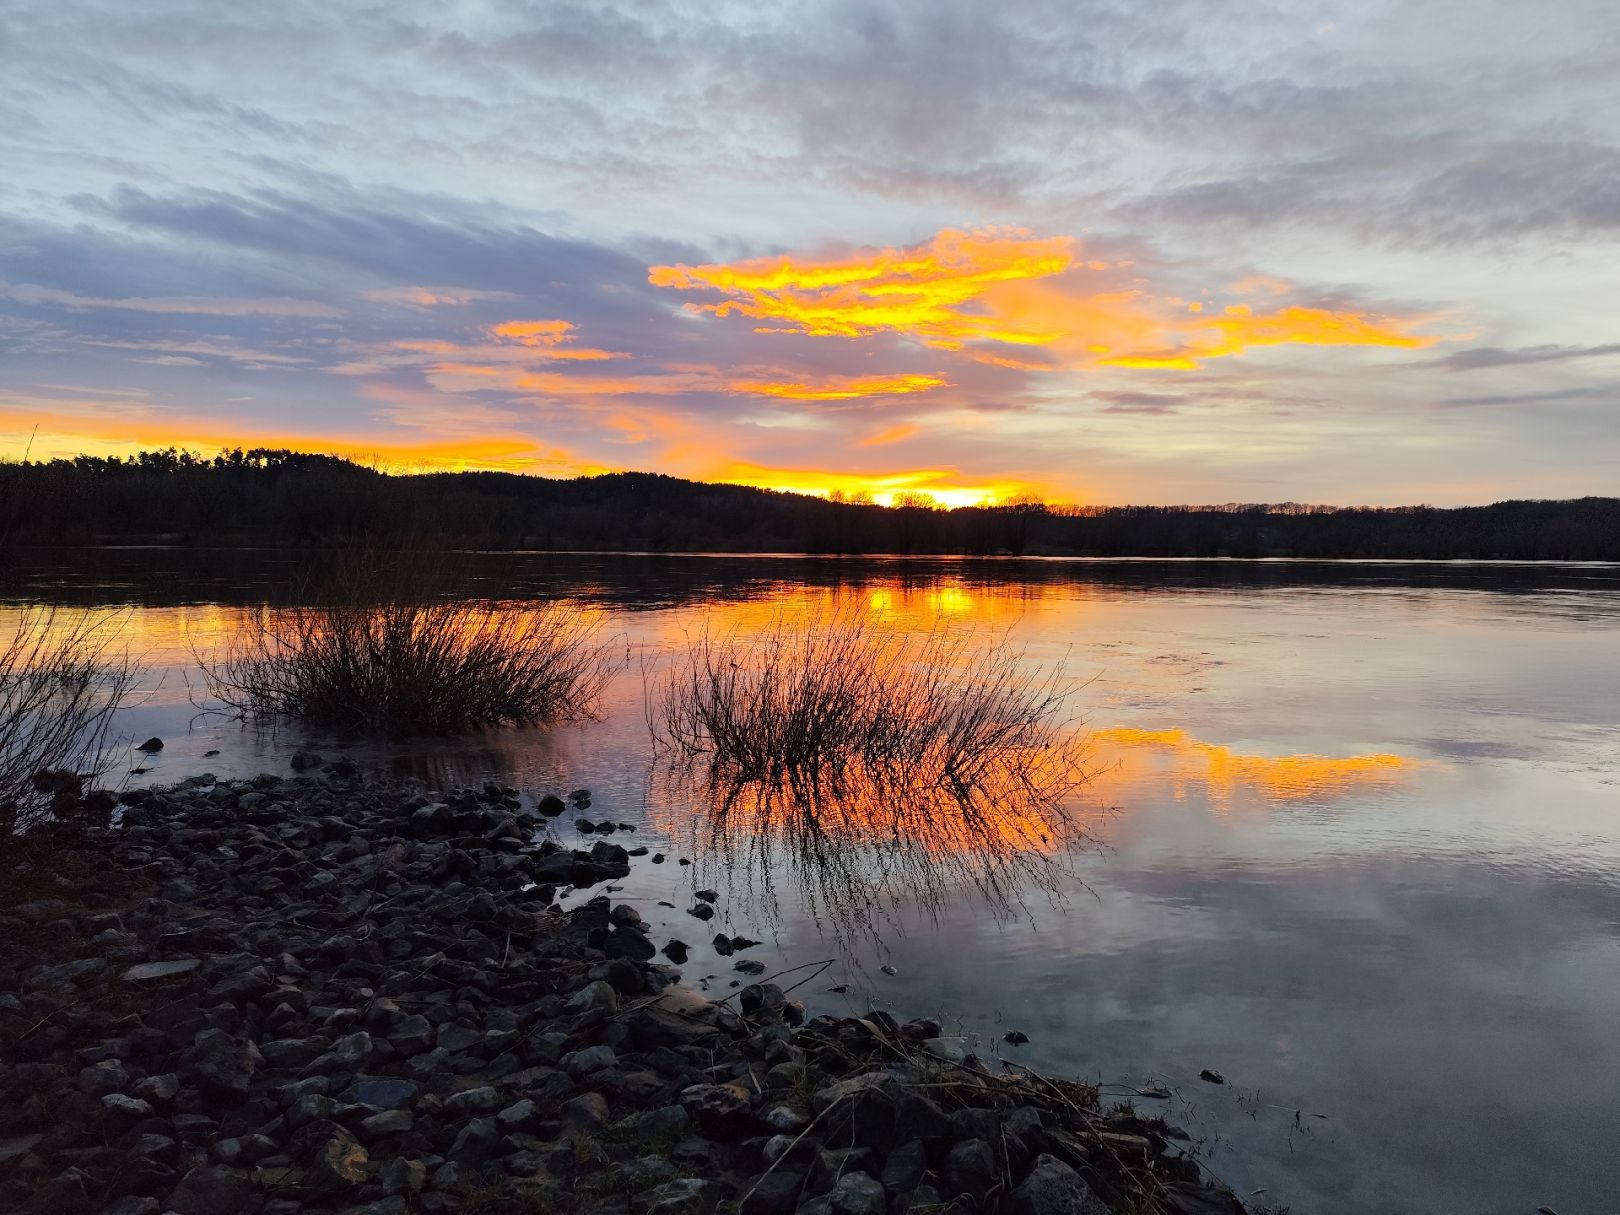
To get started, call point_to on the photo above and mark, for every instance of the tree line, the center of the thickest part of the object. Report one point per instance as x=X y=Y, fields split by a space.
x=279 y=498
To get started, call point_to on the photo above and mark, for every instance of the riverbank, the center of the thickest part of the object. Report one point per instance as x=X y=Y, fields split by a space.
x=337 y=994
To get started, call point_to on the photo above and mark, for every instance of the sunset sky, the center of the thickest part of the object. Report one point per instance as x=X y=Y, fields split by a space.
x=1104 y=252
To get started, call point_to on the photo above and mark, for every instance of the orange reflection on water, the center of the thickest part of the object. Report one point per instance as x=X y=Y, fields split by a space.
x=1130 y=758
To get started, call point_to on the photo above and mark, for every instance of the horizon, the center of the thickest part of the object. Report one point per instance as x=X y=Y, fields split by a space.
x=1087 y=254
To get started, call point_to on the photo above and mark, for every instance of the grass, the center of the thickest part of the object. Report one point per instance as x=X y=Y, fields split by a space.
x=62 y=680
x=879 y=767
x=383 y=647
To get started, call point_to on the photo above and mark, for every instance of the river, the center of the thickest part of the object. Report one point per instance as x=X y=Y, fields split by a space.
x=1353 y=837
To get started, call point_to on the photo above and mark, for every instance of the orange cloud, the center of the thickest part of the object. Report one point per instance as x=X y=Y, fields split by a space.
x=841 y=388
x=923 y=291
x=997 y=287
x=894 y=434
x=534 y=333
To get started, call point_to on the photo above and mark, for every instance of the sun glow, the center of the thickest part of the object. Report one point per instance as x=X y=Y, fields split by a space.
x=940 y=487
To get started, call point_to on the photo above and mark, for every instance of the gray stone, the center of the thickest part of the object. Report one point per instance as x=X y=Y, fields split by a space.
x=858 y=1194
x=412 y=1036
x=455 y=1038
x=118 y=1105
x=476 y=1140
x=682 y=1196
x=382 y=1092
x=905 y=1166
x=99 y=1079
x=401 y=1176
x=594 y=995
x=132 y=1204
x=1053 y=1188
x=588 y=1112
x=591 y=1059
x=971 y=1167
x=292 y=1052
x=17 y=1147
x=157 y=1088
x=389 y=1122
x=210 y=1191
x=353 y=1050
x=220 y=1065
x=519 y=1116
x=151 y=972
x=472 y=1101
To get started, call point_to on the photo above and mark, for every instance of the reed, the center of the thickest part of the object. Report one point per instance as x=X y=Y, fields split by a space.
x=62 y=681
x=385 y=646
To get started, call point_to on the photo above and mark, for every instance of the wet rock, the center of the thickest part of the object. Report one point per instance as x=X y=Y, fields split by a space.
x=210 y=1191
x=151 y=746
x=707 y=896
x=220 y=1065
x=152 y=972
x=857 y=1194
x=588 y=1112
x=303 y=761
x=970 y=1168
x=1053 y=1188
x=701 y=911
x=676 y=951
x=551 y=805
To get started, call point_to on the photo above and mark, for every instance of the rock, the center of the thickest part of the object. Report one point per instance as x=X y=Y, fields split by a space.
x=65 y=1194
x=858 y=1194
x=628 y=943
x=220 y=1065
x=721 y=1110
x=594 y=995
x=151 y=972
x=476 y=1141
x=1015 y=1037
x=708 y=896
x=292 y=1053
x=473 y=1101
x=588 y=1112
x=353 y=1050
x=303 y=761
x=551 y=805
x=151 y=746
x=210 y=1191
x=722 y=945
x=682 y=1196
x=382 y=1092
x=160 y=1089
x=905 y=1166
x=412 y=1036
x=701 y=911
x=521 y=1115
x=971 y=1167
x=389 y=1122
x=129 y=1109
x=776 y=1193
x=401 y=1176
x=1053 y=1188
x=676 y=951
x=592 y=1059
x=99 y=1079
x=132 y=1204
x=749 y=966
x=339 y=1162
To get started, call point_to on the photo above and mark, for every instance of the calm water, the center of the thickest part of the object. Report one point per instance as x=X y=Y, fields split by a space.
x=1357 y=840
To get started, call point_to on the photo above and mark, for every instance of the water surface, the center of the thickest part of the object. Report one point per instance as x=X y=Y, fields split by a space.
x=1355 y=838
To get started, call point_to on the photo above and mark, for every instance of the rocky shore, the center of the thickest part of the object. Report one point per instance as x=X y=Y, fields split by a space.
x=331 y=993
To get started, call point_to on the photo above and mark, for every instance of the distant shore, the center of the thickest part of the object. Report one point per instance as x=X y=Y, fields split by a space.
x=332 y=993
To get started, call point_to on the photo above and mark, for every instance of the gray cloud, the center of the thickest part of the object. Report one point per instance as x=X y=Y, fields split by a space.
x=1479 y=358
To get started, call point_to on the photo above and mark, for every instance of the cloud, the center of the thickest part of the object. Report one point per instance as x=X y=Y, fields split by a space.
x=840 y=388
x=436 y=297
x=30 y=293
x=1479 y=358
x=1152 y=403
x=1554 y=396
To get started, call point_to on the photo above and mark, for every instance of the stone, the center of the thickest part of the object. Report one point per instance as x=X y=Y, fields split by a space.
x=412 y=1036
x=593 y=996
x=340 y=1161
x=474 y=1101
x=99 y=1079
x=475 y=1141
x=151 y=746
x=521 y=1115
x=721 y=1110
x=628 y=943
x=401 y=1176
x=132 y=1204
x=588 y=1112
x=676 y=951
x=971 y=1167
x=858 y=1194
x=292 y=1053
x=118 y=1105
x=776 y=1193
x=210 y=1191
x=220 y=1065
x=389 y=1122
x=682 y=1196
x=1053 y=1188
x=701 y=911
x=592 y=1059
x=65 y=1194
x=905 y=1166
x=382 y=1092
x=353 y=1050
x=160 y=1089
x=152 y=972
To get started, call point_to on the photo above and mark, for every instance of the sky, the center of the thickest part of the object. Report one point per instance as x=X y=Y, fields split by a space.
x=1102 y=252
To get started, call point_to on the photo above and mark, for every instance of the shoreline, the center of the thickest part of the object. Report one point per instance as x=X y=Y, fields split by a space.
x=334 y=993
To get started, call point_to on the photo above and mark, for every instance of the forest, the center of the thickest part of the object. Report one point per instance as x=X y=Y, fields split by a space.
x=278 y=498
